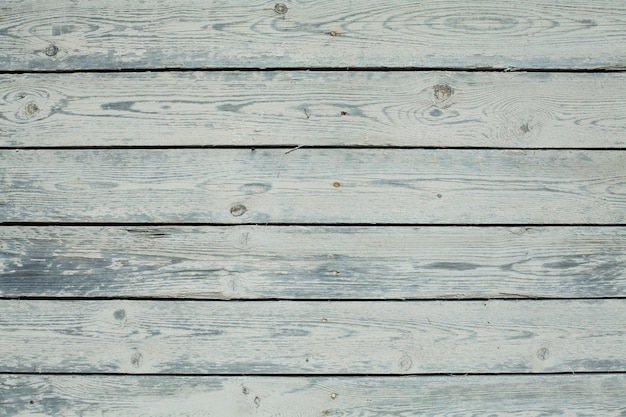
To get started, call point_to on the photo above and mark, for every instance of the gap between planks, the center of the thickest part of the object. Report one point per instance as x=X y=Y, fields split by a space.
x=599 y=70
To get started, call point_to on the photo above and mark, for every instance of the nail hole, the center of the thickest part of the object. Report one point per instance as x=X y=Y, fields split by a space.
x=336 y=184
x=333 y=33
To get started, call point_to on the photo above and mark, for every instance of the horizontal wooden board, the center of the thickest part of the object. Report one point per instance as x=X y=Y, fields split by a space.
x=313 y=186
x=65 y=34
x=287 y=337
x=448 y=109
x=160 y=396
x=266 y=262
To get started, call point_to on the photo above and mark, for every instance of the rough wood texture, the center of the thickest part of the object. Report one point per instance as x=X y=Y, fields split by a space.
x=313 y=186
x=65 y=34
x=514 y=110
x=522 y=396
x=253 y=262
x=165 y=234
x=283 y=337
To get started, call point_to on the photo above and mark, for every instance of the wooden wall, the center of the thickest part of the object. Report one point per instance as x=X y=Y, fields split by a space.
x=312 y=208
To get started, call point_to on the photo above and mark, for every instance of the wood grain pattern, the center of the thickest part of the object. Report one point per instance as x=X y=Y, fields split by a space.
x=165 y=234
x=256 y=262
x=287 y=337
x=65 y=34
x=313 y=186
x=514 y=110
x=522 y=396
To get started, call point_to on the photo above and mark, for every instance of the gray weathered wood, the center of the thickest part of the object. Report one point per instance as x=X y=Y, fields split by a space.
x=65 y=34
x=160 y=396
x=515 y=110
x=286 y=337
x=253 y=262
x=313 y=186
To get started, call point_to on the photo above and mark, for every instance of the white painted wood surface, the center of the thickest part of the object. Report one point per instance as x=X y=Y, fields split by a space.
x=313 y=186
x=557 y=215
x=266 y=262
x=65 y=34
x=524 y=396
x=283 y=337
x=449 y=109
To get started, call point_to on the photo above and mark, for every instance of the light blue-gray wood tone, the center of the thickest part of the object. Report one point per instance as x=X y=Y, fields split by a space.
x=459 y=396
x=112 y=34
x=299 y=337
x=314 y=186
x=208 y=262
x=449 y=109
x=292 y=262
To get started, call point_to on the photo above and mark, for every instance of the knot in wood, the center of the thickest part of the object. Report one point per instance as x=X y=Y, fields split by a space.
x=136 y=359
x=238 y=210
x=281 y=8
x=442 y=92
x=31 y=109
x=405 y=362
x=52 y=50
x=543 y=354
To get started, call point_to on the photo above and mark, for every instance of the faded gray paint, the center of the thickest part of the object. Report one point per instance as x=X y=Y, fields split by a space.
x=320 y=33
x=468 y=396
x=421 y=186
x=513 y=110
x=313 y=262
x=282 y=337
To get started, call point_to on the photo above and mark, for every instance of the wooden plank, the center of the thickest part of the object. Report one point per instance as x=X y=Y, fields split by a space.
x=448 y=109
x=313 y=186
x=64 y=34
x=98 y=395
x=286 y=337
x=265 y=262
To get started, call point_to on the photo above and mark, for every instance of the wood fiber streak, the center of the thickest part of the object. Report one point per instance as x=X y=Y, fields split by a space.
x=254 y=262
x=514 y=110
x=112 y=34
x=520 y=396
x=314 y=186
x=283 y=337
